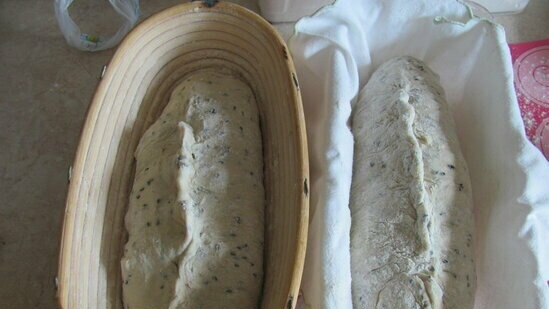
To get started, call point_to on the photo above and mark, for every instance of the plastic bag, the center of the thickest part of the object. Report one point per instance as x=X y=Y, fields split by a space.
x=128 y=9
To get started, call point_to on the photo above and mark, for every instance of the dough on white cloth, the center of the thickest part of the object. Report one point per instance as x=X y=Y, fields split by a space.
x=335 y=52
x=411 y=202
x=195 y=217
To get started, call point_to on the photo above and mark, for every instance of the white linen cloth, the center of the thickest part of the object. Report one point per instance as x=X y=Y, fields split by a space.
x=335 y=51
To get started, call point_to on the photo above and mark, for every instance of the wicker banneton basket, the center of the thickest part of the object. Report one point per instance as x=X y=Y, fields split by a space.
x=132 y=93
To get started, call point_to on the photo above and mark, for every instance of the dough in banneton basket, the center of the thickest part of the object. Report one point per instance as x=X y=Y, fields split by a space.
x=195 y=217
x=411 y=202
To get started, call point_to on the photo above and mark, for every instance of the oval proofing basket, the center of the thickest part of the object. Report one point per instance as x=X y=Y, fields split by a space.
x=132 y=93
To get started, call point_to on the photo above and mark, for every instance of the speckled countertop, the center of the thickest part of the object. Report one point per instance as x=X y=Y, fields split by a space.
x=46 y=87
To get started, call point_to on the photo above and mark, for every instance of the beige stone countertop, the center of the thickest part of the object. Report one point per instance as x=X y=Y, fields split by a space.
x=46 y=87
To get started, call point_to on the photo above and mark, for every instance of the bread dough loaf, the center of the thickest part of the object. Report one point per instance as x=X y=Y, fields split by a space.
x=411 y=203
x=195 y=217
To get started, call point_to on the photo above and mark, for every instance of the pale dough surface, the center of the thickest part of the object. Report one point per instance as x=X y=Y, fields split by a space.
x=411 y=200
x=195 y=217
